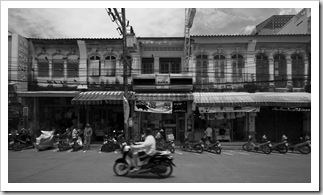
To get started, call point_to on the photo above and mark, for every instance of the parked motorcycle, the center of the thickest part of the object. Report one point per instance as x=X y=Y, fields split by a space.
x=113 y=142
x=160 y=164
x=265 y=147
x=281 y=147
x=211 y=147
x=46 y=140
x=163 y=145
x=63 y=141
x=22 y=140
x=189 y=146
x=303 y=147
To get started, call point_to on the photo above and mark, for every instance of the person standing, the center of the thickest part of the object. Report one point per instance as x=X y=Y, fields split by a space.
x=208 y=133
x=87 y=136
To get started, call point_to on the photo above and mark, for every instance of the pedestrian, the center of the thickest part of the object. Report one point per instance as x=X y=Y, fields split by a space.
x=87 y=136
x=208 y=133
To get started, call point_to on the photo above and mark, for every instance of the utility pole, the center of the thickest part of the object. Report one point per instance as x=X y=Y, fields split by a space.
x=121 y=22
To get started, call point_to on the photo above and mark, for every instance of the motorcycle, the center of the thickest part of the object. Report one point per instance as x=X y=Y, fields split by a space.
x=114 y=142
x=281 y=147
x=63 y=142
x=163 y=145
x=211 y=147
x=22 y=140
x=160 y=164
x=189 y=146
x=265 y=147
x=303 y=147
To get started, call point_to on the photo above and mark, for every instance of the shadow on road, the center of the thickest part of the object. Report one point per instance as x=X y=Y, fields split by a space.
x=145 y=176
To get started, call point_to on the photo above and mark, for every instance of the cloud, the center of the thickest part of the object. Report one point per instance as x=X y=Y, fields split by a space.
x=290 y=11
x=248 y=29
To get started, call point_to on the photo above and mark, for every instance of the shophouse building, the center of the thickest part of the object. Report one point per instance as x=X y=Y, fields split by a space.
x=238 y=84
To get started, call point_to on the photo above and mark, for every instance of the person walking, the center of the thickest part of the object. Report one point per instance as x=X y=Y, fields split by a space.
x=87 y=136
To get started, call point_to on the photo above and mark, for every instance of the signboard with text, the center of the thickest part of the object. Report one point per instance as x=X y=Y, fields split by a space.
x=179 y=106
x=228 y=109
x=164 y=107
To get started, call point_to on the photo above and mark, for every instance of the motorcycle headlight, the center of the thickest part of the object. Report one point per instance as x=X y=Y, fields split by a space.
x=126 y=148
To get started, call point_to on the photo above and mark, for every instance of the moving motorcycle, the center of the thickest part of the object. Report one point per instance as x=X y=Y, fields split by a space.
x=281 y=147
x=189 y=146
x=251 y=145
x=22 y=140
x=303 y=147
x=211 y=147
x=160 y=164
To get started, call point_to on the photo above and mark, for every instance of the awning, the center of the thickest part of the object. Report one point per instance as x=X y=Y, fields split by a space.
x=252 y=99
x=100 y=97
x=48 y=93
x=164 y=96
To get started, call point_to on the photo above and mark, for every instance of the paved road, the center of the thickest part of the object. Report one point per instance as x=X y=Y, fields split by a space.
x=231 y=166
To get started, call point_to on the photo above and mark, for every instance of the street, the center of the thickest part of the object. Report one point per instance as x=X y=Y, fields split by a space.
x=94 y=166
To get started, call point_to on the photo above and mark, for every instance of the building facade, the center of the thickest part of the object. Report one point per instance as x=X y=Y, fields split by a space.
x=237 y=84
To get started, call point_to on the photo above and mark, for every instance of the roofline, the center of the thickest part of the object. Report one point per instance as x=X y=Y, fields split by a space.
x=74 y=39
x=248 y=35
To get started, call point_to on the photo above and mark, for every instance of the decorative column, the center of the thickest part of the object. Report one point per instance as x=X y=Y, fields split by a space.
x=210 y=70
x=289 y=74
x=271 y=74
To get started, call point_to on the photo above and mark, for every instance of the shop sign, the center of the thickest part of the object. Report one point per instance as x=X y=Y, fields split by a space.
x=162 y=81
x=179 y=106
x=293 y=109
x=228 y=109
x=164 y=107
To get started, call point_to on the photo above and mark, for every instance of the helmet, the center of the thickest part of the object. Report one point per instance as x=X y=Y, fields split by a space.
x=162 y=130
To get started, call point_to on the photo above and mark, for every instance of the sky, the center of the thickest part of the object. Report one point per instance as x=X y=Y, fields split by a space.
x=146 y=22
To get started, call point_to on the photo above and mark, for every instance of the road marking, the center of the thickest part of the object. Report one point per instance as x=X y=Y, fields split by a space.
x=55 y=150
x=69 y=150
x=227 y=153
x=277 y=154
x=196 y=154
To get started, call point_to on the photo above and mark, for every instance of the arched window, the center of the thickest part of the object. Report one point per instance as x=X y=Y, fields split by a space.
x=280 y=70
x=109 y=68
x=58 y=66
x=262 y=69
x=298 y=70
x=73 y=66
x=94 y=66
x=237 y=65
x=220 y=65
x=201 y=68
x=43 y=66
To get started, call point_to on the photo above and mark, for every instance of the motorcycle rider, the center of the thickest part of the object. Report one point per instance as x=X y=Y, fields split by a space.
x=144 y=149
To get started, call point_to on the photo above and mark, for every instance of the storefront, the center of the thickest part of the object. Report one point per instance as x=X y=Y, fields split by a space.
x=236 y=115
x=103 y=110
x=170 y=111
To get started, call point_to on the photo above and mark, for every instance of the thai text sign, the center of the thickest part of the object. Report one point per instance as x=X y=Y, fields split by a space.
x=228 y=109
x=164 y=107
x=179 y=106
x=162 y=81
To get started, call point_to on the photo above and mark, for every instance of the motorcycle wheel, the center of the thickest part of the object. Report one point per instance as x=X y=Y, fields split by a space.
x=266 y=149
x=60 y=147
x=168 y=172
x=171 y=149
x=246 y=147
x=183 y=147
x=17 y=146
x=199 y=148
x=121 y=169
x=304 y=149
x=282 y=149
x=75 y=147
x=216 y=149
x=110 y=147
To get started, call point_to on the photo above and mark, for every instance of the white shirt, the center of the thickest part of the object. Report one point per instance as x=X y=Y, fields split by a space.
x=149 y=145
x=208 y=132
